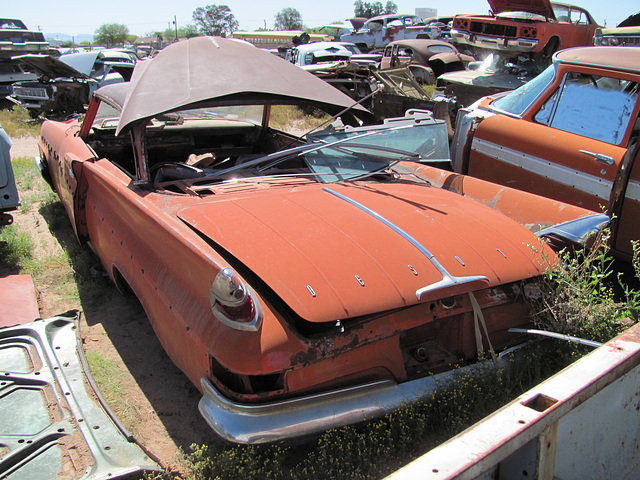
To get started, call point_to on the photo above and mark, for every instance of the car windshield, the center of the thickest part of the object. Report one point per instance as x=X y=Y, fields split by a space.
x=337 y=156
x=518 y=101
x=331 y=155
x=106 y=117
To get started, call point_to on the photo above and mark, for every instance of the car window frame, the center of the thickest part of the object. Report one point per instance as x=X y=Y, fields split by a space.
x=558 y=86
x=537 y=95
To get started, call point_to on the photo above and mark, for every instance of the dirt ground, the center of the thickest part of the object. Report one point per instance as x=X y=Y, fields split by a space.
x=164 y=400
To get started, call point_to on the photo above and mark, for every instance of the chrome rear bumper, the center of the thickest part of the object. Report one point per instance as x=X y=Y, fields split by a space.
x=290 y=418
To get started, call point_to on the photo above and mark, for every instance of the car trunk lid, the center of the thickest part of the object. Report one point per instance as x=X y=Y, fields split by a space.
x=333 y=253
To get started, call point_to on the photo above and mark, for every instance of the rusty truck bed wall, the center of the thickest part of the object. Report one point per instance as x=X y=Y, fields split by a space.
x=580 y=423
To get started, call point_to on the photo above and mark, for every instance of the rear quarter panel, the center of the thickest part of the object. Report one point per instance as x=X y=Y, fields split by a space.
x=65 y=154
x=171 y=269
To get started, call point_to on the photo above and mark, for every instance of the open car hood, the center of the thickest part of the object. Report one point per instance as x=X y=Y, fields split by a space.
x=210 y=71
x=51 y=67
x=538 y=7
x=330 y=259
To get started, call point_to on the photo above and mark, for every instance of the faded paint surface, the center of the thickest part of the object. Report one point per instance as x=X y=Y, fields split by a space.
x=575 y=163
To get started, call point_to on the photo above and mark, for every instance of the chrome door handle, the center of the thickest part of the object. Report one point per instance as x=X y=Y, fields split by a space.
x=600 y=158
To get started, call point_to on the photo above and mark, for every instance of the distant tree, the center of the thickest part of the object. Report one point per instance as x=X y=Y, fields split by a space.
x=169 y=34
x=85 y=43
x=368 y=10
x=215 y=20
x=110 y=34
x=189 y=31
x=288 y=19
x=131 y=38
x=390 y=8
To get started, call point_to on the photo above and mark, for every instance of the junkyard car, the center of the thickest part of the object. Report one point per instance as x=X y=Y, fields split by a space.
x=334 y=31
x=570 y=134
x=311 y=55
x=16 y=39
x=494 y=74
x=341 y=64
x=378 y=31
x=538 y=28
x=300 y=284
x=626 y=34
x=435 y=55
x=65 y=85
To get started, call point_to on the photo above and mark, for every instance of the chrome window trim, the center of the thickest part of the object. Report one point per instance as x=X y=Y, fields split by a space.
x=570 y=177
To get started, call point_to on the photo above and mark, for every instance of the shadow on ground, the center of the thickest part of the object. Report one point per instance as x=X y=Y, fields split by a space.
x=170 y=393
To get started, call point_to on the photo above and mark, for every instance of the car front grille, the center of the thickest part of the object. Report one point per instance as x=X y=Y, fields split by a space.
x=494 y=29
x=30 y=92
x=629 y=41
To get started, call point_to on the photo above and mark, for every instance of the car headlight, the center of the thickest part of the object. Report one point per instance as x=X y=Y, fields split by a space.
x=234 y=303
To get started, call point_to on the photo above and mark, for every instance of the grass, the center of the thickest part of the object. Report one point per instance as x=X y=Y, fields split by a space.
x=112 y=383
x=31 y=187
x=289 y=117
x=15 y=249
x=587 y=296
x=18 y=123
x=65 y=272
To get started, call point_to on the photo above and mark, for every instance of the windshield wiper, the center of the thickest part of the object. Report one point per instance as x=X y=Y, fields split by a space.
x=374 y=172
x=281 y=156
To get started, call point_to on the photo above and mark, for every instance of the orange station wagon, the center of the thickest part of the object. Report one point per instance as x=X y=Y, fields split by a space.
x=570 y=134
x=300 y=283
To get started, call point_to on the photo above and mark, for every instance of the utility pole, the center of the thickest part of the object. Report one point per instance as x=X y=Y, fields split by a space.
x=175 y=24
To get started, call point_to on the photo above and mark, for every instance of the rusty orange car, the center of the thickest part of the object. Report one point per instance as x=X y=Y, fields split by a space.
x=537 y=28
x=301 y=282
x=570 y=134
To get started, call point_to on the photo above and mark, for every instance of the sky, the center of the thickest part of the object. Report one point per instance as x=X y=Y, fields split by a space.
x=146 y=16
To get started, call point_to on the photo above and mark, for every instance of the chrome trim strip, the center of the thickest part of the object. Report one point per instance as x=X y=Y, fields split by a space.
x=495 y=43
x=590 y=184
x=447 y=279
x=296 y=417
x=577 y=230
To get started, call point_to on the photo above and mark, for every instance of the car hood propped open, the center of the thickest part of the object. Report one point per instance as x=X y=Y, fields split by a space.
x=538 y=7
x=221 y=71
